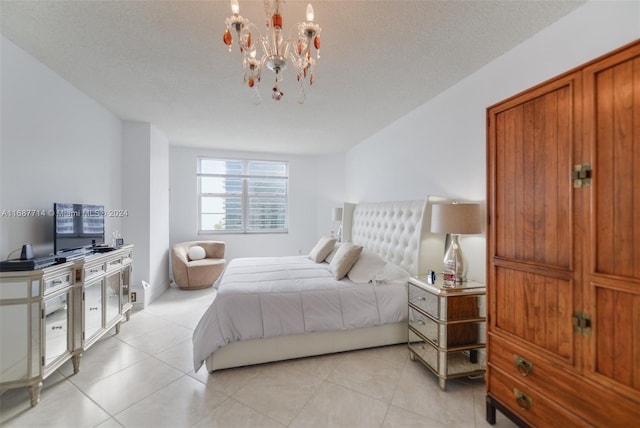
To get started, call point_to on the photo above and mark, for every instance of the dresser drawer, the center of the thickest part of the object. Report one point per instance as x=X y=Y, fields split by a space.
x=529 y=405
x=92 y=271
x=59 y=281
x=114 y=264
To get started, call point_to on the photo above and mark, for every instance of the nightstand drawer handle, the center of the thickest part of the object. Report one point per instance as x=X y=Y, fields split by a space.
x=524 y=402
x=422 y=298
x=524 y=367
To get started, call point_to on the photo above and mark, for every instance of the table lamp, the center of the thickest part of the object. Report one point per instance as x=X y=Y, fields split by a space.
x=337 y=216
x=455 y=219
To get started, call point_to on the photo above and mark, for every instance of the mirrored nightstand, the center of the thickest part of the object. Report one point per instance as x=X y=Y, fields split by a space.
x=447 y=327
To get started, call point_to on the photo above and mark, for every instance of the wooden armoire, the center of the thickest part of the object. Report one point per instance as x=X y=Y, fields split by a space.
x=563 y=248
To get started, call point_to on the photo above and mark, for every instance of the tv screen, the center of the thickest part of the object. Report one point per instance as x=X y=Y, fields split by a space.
x=77 y=226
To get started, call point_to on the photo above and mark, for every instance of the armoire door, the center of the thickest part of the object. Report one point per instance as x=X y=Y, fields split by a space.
x=534 y=247
x=612 y=270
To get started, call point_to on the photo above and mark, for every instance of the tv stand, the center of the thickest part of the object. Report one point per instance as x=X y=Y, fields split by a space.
x=64 y=308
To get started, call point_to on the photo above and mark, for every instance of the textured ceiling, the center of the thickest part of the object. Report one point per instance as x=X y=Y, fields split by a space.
x=164 y=62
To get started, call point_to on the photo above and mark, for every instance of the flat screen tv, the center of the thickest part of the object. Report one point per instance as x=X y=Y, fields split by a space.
x=77 y=226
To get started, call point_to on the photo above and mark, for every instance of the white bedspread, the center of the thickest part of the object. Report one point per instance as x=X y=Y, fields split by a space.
x=275 y=296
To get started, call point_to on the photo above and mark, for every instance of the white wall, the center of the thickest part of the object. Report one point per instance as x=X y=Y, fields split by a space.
x=146 y=198
x=56 y=145
x=159 y=213
x=312 y=193
x=330 y=191
x=439 y=149
x=136 y=179
x=59 y=145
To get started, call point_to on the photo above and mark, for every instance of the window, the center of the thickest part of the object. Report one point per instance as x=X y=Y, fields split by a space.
x=243 y=196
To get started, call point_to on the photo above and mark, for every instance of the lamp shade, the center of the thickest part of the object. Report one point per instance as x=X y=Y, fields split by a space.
x=455 y=218
x=337 y=214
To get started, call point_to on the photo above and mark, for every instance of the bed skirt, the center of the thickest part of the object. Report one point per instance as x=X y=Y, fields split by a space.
x=280 y=348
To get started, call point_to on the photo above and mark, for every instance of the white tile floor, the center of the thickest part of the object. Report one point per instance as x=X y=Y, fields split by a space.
x=143 y=377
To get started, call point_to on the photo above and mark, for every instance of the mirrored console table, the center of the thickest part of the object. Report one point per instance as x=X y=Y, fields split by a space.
x=52 y=315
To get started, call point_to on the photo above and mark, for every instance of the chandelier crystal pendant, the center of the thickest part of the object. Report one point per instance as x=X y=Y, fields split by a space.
x=276 y=52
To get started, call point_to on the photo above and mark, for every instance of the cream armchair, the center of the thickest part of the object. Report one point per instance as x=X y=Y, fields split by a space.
x=195 y=274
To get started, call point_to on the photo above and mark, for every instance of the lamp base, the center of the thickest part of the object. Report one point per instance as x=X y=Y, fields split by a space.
x=455 y=266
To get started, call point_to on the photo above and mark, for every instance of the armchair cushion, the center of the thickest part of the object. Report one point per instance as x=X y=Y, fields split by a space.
x=196 y=253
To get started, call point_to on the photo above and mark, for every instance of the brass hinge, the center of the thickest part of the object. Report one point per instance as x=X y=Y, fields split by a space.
x=581 y=175
x=582 y=323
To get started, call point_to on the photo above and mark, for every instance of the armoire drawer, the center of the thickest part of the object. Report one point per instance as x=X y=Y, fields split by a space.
x=519 y=364
x=528 y=404
x=563 y=385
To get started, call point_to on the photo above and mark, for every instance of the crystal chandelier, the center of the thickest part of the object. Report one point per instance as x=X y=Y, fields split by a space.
x=277 y=52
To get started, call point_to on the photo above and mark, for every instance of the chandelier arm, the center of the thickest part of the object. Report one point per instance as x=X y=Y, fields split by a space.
x=291 y=31
x=294 y=61
x=255 y=27
x=285 y=47
x=265 y=47
x=263 y=61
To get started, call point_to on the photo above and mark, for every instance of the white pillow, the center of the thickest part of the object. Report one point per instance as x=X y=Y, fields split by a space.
x=344 y=259
x=322 y=249
x=196 y=253
x=392 y=274
x=333 y=252
x=366 y=267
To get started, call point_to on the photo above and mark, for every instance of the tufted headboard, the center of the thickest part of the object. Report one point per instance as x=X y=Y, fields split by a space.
x=397 y=231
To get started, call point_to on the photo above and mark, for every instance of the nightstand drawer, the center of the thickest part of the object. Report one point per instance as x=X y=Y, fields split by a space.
x=424 y=350
x=424 y=325
x=448 y=364
x=453 y=308
x=424 y=300
x=457 y=333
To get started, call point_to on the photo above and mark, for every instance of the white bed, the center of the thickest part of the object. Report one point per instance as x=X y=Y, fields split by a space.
x=396 y=231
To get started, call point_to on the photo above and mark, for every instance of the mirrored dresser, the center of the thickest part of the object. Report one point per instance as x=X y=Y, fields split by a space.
x=52 y=315
x=36 y=325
